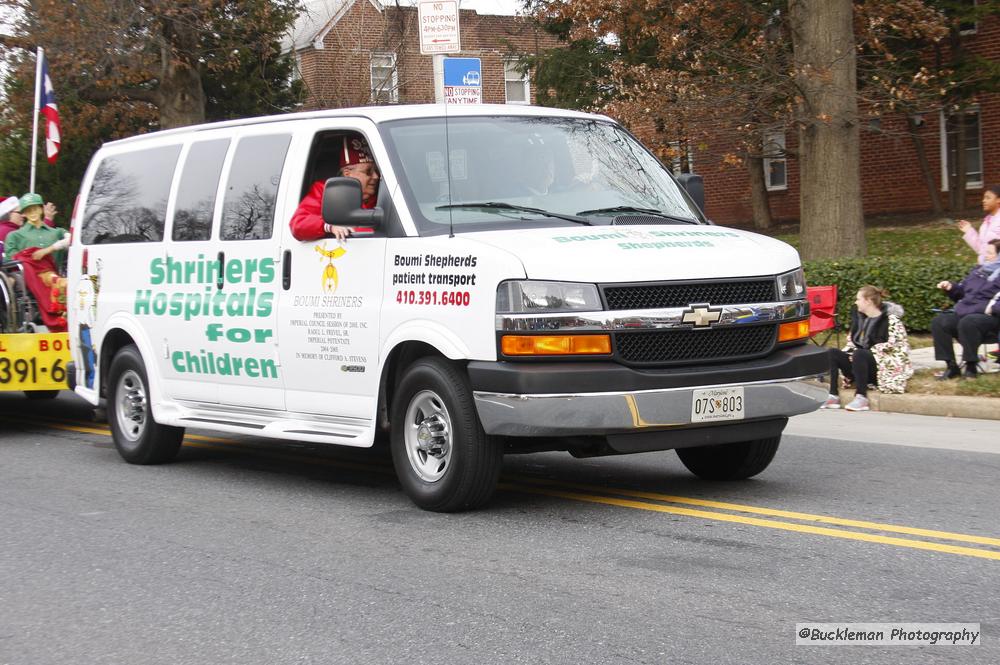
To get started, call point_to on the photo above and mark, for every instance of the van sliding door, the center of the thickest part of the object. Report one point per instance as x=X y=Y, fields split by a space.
x=241 y=335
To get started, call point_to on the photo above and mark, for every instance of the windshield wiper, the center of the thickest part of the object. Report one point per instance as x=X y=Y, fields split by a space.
x=645 y=211
x=497 y=205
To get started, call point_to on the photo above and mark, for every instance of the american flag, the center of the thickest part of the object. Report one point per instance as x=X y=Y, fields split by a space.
x=47 y=105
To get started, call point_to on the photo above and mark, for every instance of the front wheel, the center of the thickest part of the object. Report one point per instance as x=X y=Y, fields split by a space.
x=138 y=438
x=730 y=461
x=443 y=458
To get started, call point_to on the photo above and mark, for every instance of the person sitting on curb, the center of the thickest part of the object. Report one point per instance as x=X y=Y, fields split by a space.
x=969 y=321
x=877 y=350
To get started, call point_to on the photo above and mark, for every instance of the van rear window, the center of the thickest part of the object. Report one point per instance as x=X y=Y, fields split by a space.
x=248 y=208
x=128 y=198
x=195 y=204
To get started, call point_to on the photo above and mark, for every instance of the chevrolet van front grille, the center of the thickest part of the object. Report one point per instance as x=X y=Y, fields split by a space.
x=659 y=295
x=678 y=347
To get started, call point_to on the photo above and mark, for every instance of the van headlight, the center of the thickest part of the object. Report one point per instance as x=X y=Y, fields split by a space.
x=792 y=285
x=530 y=296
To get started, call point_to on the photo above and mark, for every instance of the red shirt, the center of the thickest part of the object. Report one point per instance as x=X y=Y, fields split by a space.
x=307 y=221
x=5 y=228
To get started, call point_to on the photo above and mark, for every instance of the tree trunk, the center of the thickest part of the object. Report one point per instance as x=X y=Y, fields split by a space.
x=832 y=224
x=925 y=167
x=956 y=180
x=180 y=93
x=758 y=194
x=956 y=171
x=181 y=98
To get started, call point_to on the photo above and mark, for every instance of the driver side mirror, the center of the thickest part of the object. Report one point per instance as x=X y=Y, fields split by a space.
x=695 y=187
x=342 y=204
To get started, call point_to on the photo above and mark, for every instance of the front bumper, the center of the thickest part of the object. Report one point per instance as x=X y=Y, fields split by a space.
x=606 y=399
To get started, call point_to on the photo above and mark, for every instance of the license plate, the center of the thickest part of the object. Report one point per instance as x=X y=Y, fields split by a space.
x=33 y=361
x=713 y=404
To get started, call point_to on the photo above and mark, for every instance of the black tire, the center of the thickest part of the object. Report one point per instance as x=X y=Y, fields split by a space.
x=41 y=394
x=433 y=407
x=138 y=438
x=730 y=461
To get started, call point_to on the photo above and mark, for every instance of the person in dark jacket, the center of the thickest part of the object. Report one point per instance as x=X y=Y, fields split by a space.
x=968 y=322
x=877 y=350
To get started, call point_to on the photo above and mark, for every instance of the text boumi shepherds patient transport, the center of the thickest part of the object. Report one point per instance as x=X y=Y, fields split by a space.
x=528 y=279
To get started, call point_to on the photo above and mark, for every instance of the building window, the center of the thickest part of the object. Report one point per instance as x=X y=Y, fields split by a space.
x=385 y=85
x=970 y=26
x=516 y=83
x=775 y=164
x=681 y=159
x=973 y=150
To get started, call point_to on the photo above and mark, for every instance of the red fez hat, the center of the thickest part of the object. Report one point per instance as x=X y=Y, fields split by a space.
x=356 y=151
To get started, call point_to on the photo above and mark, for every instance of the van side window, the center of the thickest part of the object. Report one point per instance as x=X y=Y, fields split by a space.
x=196 y=195
x=128 y=198
x=248 y=209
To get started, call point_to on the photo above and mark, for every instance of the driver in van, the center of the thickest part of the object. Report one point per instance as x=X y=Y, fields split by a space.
x=356 y=162
x=537 y=173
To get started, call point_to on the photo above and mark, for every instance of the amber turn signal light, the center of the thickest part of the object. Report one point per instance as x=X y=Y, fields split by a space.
x=794 y=330
x=555 y=345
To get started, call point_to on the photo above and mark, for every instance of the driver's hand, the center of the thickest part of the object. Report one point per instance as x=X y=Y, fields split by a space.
x=339 y=232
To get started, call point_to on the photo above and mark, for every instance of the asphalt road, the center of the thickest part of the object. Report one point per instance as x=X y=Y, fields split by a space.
x=249 y=551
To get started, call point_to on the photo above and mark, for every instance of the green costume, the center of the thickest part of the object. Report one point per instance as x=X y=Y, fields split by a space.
x=29 y=236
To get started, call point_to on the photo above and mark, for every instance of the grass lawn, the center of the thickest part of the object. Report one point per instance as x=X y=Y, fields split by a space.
x=936 y=239
x=916 y=341
x=924 y=383
x=926 y=238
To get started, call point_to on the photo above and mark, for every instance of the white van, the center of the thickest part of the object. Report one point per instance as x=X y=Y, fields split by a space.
x=530 y=279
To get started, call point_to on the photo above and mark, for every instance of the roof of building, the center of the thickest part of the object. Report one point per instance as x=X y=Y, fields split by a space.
x=315 y=20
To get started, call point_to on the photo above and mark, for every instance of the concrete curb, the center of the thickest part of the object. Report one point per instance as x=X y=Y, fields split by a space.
x=956 y=406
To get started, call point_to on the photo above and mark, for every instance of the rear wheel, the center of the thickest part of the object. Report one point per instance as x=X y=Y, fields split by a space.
x=443 y=458
x=730 y=461
x=138 y=438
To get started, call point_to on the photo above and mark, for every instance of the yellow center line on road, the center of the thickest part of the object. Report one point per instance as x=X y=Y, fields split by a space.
x=770 y=512
x=552 y=488
x=756 y=521
x=229 y=445
x=96 y=428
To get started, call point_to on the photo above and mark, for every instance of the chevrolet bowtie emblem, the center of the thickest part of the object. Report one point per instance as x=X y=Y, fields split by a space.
x=701 y=316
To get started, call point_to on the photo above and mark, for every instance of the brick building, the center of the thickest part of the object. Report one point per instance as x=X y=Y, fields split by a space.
x=360 y=52
x=891 y=179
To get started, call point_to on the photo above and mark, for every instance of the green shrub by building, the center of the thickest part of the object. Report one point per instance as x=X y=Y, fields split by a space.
x=909 y=280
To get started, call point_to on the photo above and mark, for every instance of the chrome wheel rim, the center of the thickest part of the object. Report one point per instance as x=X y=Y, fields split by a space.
x=427 y=436
x=131 y=406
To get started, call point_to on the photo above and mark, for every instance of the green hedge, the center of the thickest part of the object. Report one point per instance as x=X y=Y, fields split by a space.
x=909 y=281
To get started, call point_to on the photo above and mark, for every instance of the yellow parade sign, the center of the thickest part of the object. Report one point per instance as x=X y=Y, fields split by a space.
x=34 y=361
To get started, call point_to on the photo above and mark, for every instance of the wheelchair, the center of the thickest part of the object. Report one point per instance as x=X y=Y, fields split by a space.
x=19 y=311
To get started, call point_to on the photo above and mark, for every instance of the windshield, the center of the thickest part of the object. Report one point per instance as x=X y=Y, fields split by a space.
x=508 y=172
